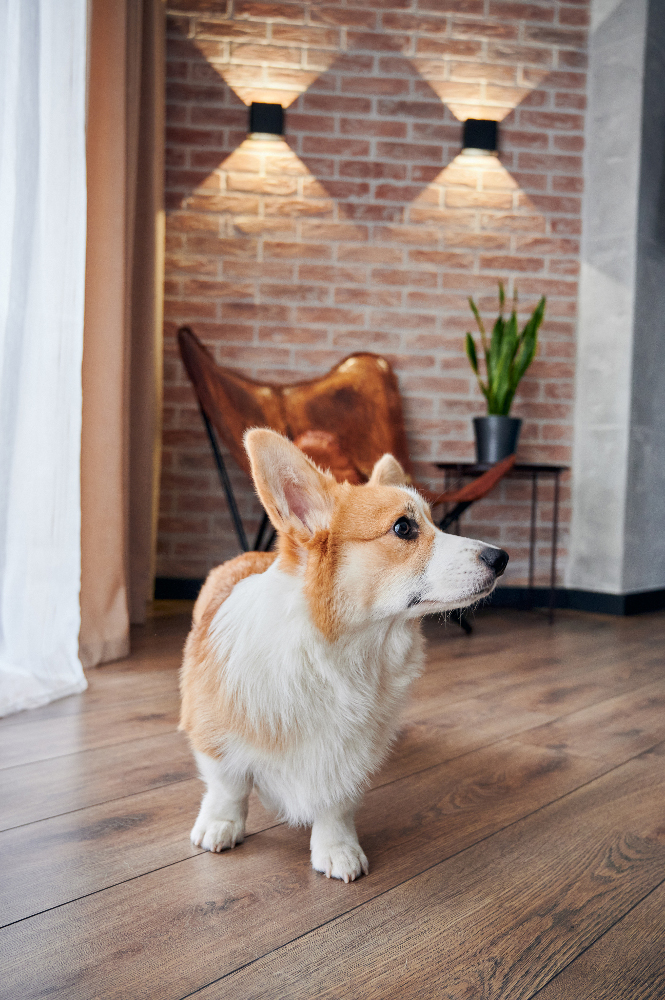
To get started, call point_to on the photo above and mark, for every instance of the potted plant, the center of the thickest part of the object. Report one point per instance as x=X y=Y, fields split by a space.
x=507 y=355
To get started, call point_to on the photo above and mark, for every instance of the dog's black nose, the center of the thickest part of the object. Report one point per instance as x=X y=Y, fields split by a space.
x=496 y=559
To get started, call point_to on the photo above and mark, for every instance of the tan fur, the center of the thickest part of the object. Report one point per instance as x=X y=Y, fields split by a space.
x=207 y=712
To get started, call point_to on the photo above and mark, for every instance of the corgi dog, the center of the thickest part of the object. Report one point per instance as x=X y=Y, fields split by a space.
x=298 y=662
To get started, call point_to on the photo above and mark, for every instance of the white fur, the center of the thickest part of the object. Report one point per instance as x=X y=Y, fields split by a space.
x=326 y=695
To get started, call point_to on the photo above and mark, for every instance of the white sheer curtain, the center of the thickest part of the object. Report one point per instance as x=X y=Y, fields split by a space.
x=42 y=278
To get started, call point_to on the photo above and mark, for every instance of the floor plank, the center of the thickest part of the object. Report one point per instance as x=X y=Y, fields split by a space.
x=82 y=852
x=511 y=833
x=556 y=879
x=33 y=792
x=628 y=961
x=441 y=812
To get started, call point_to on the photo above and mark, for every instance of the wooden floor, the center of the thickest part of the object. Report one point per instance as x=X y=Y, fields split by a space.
x=516 y=838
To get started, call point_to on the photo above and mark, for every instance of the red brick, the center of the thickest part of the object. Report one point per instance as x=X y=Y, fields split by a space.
x=567 y=100
x=336 y=146
x=558 y=121
x=298 y=207
x=358 y=340
x=295 y=293
x=369 y=255
x=573 y=15
x=374 y=85
x=478 y=199
x=555 y=36
x=483 y=29
x=336 y=189
x=344 y=16
x=292 y=335
x=229 y=29
x=511 y=263
x=299 y=250
x=270 y=11
x=409 y=151
x=544 y=161
x=574 y=59
x=186 y=310
x=436 y=301
x=329 y=315
x=393 y=276
x=333 y=231
x=321 y=37
x=523 y=11
x=337 y=104
x=330 y=274
x=381 y=129
x=453 y=6
x=181 y=136
x=563 y=266
x=190 y=263
x=569 y=143
x=403 y=320
x=372 y=170
x=257 y=269
x=433 y=47
x=505 y=52
x=376 y=41
x=544 y=245
x=251 y=312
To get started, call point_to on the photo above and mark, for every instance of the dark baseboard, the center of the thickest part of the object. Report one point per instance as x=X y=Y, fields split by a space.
x=580 y=600
x=169 y=588
x=178 y=588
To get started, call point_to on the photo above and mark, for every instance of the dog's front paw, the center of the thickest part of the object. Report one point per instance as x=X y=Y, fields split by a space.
x=218 y=834
x=345 y=860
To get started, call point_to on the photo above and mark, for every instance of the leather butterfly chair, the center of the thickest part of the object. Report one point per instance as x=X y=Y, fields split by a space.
x=344 y=421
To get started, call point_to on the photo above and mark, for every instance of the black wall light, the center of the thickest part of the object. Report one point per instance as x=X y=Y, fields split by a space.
x=266 y=121
x=480 y=137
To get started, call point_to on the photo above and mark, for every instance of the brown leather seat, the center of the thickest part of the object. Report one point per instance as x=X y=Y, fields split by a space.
x=345 y=420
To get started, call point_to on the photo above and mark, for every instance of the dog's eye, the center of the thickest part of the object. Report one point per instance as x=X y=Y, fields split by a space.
x=406 y=527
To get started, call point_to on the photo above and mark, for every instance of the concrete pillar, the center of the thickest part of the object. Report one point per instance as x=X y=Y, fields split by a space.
x=617 y=536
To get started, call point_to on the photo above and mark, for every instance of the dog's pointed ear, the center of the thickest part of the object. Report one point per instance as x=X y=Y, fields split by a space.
x=388 y=472
x=296 y=496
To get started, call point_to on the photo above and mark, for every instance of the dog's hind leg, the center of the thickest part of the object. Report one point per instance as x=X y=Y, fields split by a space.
x=221 y=820
x=334 y=845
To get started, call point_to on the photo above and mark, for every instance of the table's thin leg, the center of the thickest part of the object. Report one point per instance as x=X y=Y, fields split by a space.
x=555 y=542
x=532 y=535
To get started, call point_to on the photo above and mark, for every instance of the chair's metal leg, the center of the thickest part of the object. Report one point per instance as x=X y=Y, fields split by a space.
x=226 y=483
x=454 y=514
x=532 y=534
x=555 y=542
x=259 y=534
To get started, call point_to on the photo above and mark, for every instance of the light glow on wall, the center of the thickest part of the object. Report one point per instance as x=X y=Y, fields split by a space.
x=470 y=94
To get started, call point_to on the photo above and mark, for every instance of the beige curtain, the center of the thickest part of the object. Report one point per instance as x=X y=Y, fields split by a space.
x=122 y=347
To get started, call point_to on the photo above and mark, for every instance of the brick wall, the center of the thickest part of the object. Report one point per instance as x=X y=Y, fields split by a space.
x=365 y=230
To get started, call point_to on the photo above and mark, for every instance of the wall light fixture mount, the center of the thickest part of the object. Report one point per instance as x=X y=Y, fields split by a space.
x=480 y=137
x=266 y=121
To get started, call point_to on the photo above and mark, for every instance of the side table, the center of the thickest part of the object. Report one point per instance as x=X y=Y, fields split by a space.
x=523 y=470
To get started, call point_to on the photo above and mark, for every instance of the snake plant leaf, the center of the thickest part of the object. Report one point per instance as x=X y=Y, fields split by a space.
x=495 y=348
x=502 y=371
x=507 y=356
x=528 y=344
x=471 y=352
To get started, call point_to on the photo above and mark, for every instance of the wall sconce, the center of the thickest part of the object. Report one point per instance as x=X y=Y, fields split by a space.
x=266 y=121
x=480 y=137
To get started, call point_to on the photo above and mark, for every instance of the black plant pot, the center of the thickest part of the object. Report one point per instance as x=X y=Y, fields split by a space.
x=496 y=437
